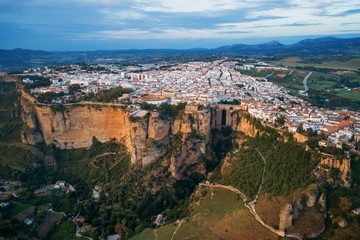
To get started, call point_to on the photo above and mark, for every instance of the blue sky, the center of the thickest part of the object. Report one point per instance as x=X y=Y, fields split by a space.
x=124 y=24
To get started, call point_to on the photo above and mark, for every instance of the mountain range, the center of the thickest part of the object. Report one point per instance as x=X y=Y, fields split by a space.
x=17 y=59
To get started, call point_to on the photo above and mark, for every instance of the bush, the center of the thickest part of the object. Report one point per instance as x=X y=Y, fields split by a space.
x=107 y=96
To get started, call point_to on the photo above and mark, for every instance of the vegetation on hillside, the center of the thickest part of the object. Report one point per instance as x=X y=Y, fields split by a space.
x=38 y=81
x=288 y=165
x=245 y=172
x=10 y=124
x=214 y=214
x=106 y=96
x=165 y=110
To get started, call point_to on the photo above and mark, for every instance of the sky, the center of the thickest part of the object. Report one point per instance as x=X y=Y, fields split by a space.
x=59 y=25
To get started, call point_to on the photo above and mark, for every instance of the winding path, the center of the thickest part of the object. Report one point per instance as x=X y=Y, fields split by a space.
x=181 y=222
x=262 y=178
x=156 y=236
x=251 y=205
x=51 y=210
x=306 y=88
x=78 y=233
x=269 y=75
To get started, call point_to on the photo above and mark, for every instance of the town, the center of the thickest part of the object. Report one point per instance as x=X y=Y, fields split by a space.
x=200 y=83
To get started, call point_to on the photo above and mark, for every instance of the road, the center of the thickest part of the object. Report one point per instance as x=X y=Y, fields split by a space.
x=78 y=232
x=306 y=88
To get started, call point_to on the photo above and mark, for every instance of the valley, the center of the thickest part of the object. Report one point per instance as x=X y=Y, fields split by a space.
x=139 y=170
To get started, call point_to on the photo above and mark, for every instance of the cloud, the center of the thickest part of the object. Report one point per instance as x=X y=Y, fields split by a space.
x=349 y=12
x=187 y=6
x=351 y=23
x=170 y=34
x=122 y=14
x=99 y=2
x=83 y=21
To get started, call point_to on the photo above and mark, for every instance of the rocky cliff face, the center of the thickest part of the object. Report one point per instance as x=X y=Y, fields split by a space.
x=294 y=217
x=146 y=137
x=342 y=165
x=74 y=126
x=241 y=124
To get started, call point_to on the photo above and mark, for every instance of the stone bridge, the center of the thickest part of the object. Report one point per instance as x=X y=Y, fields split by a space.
x=221 y=114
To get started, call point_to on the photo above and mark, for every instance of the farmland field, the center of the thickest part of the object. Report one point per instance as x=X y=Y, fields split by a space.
x=353 y=64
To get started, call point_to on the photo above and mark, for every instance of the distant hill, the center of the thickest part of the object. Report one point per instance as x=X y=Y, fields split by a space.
x=319 y=46
x=16 y=59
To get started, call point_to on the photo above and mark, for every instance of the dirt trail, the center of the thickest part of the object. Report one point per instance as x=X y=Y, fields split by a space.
x=306 y=88
x=251 y=205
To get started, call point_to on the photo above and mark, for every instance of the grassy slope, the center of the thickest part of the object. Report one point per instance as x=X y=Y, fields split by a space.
x=219 y=214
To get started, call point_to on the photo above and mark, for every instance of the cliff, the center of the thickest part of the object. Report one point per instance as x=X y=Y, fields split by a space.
x=146 y=135
x=329 y=163
x=74 y=126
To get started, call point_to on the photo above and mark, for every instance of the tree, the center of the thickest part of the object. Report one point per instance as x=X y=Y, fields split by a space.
x=357 y=145
x=280 y=121
x=46 y=97
x=74 y=88
x=300 y=128
x=309 y=132
x=345 y=147
x=352 y=138
x=313 y=143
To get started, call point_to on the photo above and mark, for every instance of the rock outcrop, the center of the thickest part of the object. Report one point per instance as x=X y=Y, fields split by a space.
x=311 y=195
x=286 y=218
x=31 y=137
x=322 y=202
x=342 y=165
x=294 y=217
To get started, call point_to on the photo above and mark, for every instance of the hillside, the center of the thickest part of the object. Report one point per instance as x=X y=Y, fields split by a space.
x=12 y=60
x=197 y=171
x=215 y=214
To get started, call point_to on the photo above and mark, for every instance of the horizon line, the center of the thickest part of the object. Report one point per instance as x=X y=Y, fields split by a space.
x=189 y=48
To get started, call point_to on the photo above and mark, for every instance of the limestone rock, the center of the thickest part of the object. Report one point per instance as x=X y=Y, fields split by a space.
x=186 y=159
x=296 y=211
x=176 y=126
x=341 y=222
x=343 y=166
x=158 y=128
x=286 y=217
x=31 y=137
x=322 y=202
x=246 y=127
x=312 y=193
x=23 y=138
x=299 y=204
x=34 y=138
